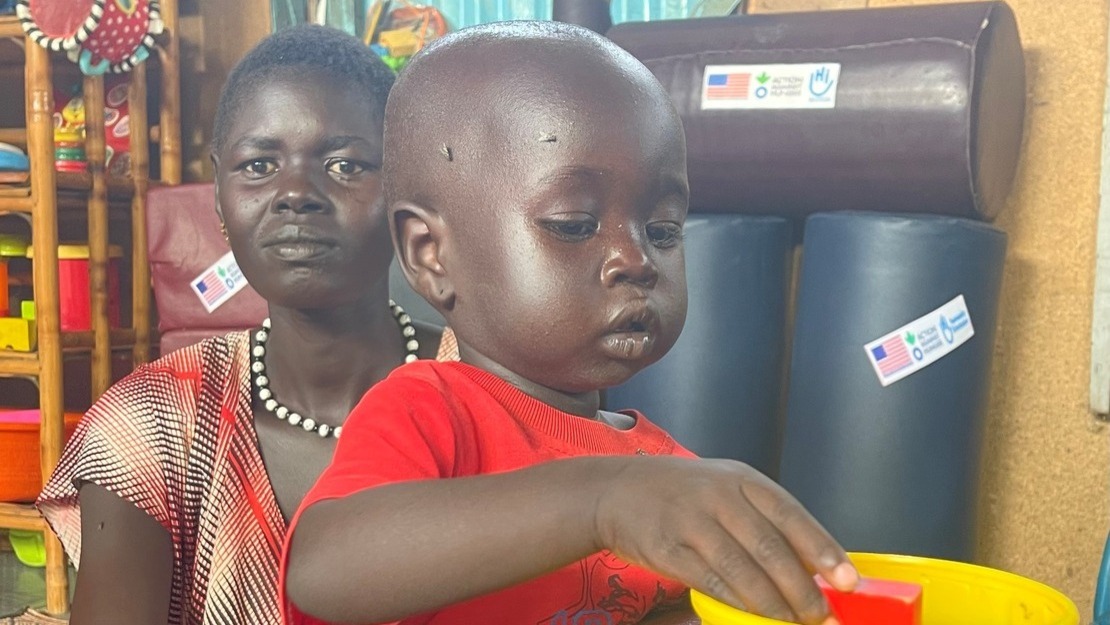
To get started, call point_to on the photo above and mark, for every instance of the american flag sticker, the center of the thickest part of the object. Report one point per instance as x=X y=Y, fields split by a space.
x=920 y=342
x=892 y=356
x=219 y=283
x=728 y=85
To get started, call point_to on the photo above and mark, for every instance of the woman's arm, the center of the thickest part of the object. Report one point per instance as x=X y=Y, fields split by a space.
x=126 y=563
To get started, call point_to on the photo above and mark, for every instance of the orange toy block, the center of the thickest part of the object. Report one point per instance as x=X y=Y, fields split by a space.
x=875 y=602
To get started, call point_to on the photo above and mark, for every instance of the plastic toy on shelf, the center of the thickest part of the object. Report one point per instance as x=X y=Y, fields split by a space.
x=99 y=35
x=73 y=286
x=21 y=475
x=14 y=166
x=69 y=128
x=397 y=34
x=11 y=246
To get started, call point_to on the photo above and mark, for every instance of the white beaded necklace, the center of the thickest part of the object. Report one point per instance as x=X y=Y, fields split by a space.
x=261 y=383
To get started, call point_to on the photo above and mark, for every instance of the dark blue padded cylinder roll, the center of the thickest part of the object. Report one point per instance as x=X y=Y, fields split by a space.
x=718 y=391
x=890 y=469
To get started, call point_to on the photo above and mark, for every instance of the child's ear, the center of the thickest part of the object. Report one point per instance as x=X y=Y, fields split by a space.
x=419 y=238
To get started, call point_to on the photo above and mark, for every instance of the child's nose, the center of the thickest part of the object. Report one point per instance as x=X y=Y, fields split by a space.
x=299 y=192
x=628 y=262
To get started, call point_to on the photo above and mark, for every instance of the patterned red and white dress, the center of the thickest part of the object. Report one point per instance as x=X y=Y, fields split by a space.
x=176 y=438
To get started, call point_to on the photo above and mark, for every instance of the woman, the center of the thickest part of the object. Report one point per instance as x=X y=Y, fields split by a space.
x=173 y=494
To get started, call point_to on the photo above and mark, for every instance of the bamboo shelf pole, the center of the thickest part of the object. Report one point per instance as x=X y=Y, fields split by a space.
x=169 y=124
x=140 y=178
x=44 y=239
x=95 y=142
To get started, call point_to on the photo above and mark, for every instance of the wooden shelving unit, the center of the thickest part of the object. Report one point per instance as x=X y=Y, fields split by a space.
x=47 y=193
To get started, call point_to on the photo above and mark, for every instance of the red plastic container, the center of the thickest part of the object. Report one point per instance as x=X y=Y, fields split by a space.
x=10 y=245
x=20 y=472
x=73 y=286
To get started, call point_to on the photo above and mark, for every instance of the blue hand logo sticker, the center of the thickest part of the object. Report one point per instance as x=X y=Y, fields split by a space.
x=821 y=82
x=947 y=330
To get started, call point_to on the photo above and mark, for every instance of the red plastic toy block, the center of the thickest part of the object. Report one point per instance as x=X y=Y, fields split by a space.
x=875 y=602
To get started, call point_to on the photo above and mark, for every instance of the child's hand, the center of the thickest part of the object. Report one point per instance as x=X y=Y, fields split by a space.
x=726 y=530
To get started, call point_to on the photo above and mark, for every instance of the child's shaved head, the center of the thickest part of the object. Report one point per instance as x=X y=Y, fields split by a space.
x=536 y=180
x=495 y=91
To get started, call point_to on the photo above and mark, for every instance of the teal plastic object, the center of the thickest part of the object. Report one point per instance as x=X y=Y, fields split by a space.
x=13 y=159
x=1102 y=589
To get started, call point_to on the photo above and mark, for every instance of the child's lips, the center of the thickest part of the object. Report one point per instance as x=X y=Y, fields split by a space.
x=632 y=332
x=628 y=345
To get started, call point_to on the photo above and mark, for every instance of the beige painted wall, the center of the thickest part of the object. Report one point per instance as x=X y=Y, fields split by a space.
x=1046 y=483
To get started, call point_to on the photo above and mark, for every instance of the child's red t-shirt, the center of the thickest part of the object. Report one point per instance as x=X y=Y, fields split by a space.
x=432 y=420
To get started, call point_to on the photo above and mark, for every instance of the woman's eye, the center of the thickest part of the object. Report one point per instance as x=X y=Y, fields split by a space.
x=345 y=167
x=573 y=229
x=664 y=234
x=259 y=167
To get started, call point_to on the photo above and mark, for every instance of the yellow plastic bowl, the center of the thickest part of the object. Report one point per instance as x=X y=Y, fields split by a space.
x=952 y=594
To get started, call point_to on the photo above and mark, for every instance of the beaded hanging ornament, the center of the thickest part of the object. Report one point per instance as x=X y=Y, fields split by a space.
x=99 y=35
x=265 y=394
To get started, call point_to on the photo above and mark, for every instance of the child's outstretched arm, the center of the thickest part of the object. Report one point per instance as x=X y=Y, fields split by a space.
x=716 y=525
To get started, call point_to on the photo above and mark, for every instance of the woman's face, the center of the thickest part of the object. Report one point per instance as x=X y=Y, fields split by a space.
x=298 y=187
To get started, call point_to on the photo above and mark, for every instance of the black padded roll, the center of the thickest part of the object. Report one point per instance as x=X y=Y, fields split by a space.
x=718 y=391
x=592 y=14
x=928 y=113
x=891 y=469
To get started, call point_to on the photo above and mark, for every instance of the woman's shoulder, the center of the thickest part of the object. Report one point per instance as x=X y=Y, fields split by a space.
x=152 y=436
x=201 y=356
x=162 y=412
x=174 y=382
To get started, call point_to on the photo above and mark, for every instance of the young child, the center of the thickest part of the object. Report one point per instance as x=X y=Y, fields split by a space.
x=536 y=182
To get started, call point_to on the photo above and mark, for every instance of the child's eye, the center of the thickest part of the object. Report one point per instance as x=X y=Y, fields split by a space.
x=573 y=228
x=259 y=167
x=345 y=167
x=664 y=233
